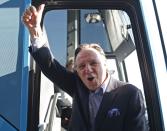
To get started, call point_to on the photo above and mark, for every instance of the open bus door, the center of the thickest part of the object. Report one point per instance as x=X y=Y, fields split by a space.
x=14 y=66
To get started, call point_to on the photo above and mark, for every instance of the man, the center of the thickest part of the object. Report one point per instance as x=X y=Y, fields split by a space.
x=100 y=103
x=70 y=64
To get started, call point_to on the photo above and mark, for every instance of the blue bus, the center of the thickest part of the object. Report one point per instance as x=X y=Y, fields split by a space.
x=133 y=34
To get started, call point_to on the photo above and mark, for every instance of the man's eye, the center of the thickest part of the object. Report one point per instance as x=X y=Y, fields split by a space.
x=94 y=63
x=81 y=67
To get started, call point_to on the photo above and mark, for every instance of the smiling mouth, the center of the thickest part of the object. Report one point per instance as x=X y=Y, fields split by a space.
x=90 y=78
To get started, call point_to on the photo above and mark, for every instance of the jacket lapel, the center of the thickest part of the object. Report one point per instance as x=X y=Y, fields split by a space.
x=108 y=99
x=83 y=100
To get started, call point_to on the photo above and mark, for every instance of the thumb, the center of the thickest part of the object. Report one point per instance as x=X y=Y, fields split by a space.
x=41 y=8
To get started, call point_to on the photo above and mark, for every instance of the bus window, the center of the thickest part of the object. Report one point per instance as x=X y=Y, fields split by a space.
x=161 y=7
x=55 y=30
x=133 y=70
x=112 y=67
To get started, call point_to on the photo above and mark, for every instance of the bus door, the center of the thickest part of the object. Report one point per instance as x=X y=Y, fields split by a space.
x=14 y=66
x=120 y=28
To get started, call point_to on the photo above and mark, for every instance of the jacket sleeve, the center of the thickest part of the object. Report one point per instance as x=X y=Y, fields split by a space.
x=136 y=115
x=53 y=70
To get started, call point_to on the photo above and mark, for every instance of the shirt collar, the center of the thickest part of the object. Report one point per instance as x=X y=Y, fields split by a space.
x=104 y=85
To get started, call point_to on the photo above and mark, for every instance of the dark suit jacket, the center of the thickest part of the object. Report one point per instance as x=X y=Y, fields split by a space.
x=122 y=107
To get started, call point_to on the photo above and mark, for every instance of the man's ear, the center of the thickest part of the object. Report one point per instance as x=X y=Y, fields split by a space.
x=105 y=62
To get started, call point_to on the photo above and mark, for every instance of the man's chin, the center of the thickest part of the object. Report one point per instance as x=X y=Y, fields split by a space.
x=92 y=88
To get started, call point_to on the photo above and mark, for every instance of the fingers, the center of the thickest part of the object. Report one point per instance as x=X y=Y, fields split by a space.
x=28 y=13
x=26 y=16
x=32 y=9
x=41 y=8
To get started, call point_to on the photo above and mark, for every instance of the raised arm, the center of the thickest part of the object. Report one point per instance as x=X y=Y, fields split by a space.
x=41 y=53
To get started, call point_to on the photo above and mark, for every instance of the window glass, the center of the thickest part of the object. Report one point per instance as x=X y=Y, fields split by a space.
x=55 y=24
x=93 y=31
x=112 y=67
x=55 y=30
x=133 y=70
x=11 y=63
x=161 y=8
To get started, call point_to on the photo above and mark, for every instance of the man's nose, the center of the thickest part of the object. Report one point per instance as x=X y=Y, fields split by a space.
x=88 y=68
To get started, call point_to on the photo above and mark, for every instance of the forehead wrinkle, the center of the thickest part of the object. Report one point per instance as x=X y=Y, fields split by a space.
x=87 y=53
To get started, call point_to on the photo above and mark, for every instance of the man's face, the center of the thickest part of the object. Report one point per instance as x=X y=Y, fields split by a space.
x=91 y=68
